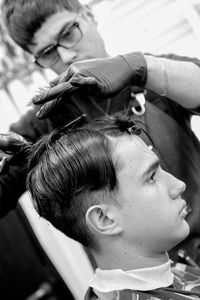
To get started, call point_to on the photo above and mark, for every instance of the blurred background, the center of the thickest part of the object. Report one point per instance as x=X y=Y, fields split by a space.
x=157 y=26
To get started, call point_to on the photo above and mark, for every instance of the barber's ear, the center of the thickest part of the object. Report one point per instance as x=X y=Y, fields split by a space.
x=88 y=14
x=101 y=219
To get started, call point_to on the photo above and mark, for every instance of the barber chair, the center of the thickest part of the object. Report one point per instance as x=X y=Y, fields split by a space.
x=26 y=272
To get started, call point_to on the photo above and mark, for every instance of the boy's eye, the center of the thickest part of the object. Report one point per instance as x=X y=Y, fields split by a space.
x=152 y=177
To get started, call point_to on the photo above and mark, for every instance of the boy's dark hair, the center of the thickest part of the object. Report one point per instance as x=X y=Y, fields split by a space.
x=71 y=170
x=23 y=18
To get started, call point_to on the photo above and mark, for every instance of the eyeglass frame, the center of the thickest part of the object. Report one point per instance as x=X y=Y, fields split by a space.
x=57 y=44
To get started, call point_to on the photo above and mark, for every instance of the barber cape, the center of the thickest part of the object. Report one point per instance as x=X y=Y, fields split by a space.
x=166 y=282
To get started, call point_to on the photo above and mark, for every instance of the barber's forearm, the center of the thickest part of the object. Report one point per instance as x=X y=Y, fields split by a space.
x=178 y=80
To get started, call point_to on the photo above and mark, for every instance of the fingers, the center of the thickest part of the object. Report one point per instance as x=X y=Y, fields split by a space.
x=9 y=142
x=55 y=81
x=84 y=81
x=64 y=77
x=92 y=86
x=51 y=93
x=4 y=141
x=48 y=109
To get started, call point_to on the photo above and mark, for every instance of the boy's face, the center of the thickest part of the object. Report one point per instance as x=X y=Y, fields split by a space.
x=153 y=214
x=89 y=45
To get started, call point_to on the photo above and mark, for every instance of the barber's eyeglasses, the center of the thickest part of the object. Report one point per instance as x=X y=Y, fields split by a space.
x=69 y=37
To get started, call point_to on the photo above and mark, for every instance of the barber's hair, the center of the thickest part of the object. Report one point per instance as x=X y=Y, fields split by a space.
x=71 y=170
x=23 y=18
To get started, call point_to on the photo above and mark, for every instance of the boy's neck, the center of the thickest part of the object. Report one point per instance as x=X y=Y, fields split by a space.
x=125 y=260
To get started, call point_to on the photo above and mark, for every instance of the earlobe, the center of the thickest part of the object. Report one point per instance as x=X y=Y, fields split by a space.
x=101 y=220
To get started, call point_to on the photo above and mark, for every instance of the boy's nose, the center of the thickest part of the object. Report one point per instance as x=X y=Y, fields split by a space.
x=177 y=187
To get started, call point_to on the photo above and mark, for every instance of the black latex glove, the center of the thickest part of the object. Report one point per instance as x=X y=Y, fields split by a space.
x=11 y=150
x=102 y=78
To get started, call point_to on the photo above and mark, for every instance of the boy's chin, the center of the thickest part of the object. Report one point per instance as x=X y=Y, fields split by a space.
x=184 y=233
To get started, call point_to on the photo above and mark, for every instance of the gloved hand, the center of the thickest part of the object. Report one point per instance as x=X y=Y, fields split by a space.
x=11 y=150
x=102 y=78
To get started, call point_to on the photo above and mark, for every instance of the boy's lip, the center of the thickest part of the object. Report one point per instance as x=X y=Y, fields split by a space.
x=183 y=206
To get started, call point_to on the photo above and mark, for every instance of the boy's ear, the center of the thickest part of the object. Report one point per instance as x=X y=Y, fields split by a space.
x=101 y=219
x=88 y=14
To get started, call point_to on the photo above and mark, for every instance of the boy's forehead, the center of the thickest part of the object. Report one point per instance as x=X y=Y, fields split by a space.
x=131 y=150
x=131 y=142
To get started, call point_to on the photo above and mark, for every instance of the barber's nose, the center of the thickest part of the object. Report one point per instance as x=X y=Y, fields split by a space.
x=176 y=188
x=67 y=56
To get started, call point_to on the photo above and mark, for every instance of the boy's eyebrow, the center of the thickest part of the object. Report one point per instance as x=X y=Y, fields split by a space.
x=151 y=167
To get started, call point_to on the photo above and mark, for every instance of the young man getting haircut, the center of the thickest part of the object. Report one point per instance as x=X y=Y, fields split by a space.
x=62 y=33
x=105 y=188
